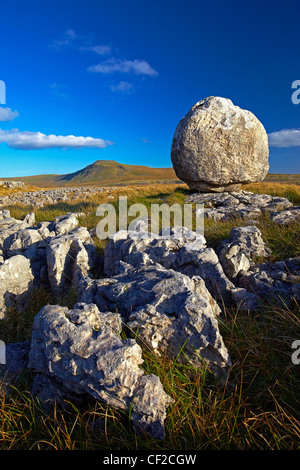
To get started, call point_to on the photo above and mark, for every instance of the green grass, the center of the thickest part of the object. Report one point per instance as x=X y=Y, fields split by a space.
x=260 y=409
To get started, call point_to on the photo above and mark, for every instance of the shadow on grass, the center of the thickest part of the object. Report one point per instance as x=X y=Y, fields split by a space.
x=68 y=207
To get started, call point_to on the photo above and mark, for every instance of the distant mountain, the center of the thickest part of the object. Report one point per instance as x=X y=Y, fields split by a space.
x=102 y=172
x=110 y=173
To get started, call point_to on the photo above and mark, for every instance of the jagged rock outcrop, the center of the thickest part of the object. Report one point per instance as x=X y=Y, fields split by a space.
x=187 y=254
x=218 y=147
x=236 y=253
x=273 y=280
x=54 y=254
x=81 y=349
x=167 y=311
x=242 y=204
x=69 y=257
x=287 y=217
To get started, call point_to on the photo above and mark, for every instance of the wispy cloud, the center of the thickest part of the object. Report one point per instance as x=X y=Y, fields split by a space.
x=100 y=49
x=145 y=140
x=25 y=140
x=112 y=65
x=58 y=90
x=285 y=138
x=7 y=114
x=68 y=38
x=123 y=87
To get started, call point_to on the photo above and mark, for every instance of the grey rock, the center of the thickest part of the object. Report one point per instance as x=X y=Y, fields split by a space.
x=165 y=310
x=245 y=301
x=272 y=280
x=236 y=253
x=16 y=281
x=18 y=242
x=9 y=226
x=296 y=292
x=51 y=196
x=49 y=392
x=69 y=257
x=16 y=362
x=30 y=219
x=218 y=147
x=244 y=205
x=65 y=224
x=80 y=349
x=286 y=217
x=188 y=255
x=45 y=229
x=4 y=214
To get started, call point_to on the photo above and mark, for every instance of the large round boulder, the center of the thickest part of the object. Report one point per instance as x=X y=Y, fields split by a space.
x=218 y=147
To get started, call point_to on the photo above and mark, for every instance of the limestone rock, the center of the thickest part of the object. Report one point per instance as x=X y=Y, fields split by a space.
x=69 y=257
x=81 y=349
x=187 y=254
x=286 y=217
x=16 y=362
x=15 y=282
x=242 y=204
x=30 y=218
x=272 y=280
x=165 y=310
x=65 y=224
x=4 y=214
x=8 y=226
x=236 y=253
x=218 y=147
x=20 y=241
x=244 y=300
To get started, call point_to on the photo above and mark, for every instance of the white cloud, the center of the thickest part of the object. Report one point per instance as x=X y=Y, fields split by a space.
x=122 y=87
x=7 y=114
x=145 y=140
x=136 y=66
x=285 y=138
x=100 y=50
x=25 y=140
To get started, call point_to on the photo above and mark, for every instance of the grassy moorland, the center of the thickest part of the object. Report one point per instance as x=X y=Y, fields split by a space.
x=260 y=411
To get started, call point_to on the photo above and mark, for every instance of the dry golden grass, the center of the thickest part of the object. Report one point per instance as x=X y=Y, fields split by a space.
x=272 y=187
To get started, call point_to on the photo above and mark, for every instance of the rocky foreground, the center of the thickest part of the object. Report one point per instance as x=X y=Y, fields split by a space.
x=40 y=197
x=166 y=292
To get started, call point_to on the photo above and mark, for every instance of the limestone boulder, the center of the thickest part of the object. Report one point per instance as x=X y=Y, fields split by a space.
x=218 y=147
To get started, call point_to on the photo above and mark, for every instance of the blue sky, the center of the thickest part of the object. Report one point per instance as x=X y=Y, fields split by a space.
x=92 y=80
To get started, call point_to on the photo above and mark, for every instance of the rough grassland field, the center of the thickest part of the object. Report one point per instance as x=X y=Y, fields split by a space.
x=261 y=408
